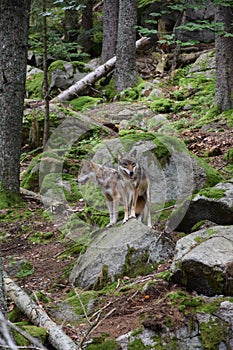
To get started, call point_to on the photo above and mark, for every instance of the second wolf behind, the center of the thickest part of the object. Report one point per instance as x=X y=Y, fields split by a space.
x=135 y=188
x=108 y=180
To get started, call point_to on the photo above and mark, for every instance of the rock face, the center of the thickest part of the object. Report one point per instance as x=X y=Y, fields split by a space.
x=119 y=251
x=203 y=261
x=213 y=204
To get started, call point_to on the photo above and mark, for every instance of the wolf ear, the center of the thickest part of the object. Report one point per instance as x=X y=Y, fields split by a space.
x=94 y=165
x=120 y=155
x=85 y=161
x=133 y=153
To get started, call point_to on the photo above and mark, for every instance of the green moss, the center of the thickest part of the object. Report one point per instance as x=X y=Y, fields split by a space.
x=81 y=66
x=164 y=144
x=34 y=331
x=34 y=85
x=85 y=102
x=212 y=334
x=78 y=225
x=212 y=192
x=135 y=264
x=228 y=156
x=210 y=117
x=9 y=199
x=161 y=150
x=41 y=237
x=213 y=176
x=59 y=64
x=103 y=343
x=103 y=279
x=26 y=269
x=137 y=344
x=83 y=299
x=132 y=93
x=197 y=226
x=67 y=190
x=161 y=105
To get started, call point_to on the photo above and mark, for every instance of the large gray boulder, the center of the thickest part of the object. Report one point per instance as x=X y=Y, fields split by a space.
x=203 y=261
x=214 y=204
x=127 y=250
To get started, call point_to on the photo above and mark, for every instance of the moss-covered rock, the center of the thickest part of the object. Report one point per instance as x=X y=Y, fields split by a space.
x=34 y=85
x=36 y=332
x=212 y=192
x=85 y=102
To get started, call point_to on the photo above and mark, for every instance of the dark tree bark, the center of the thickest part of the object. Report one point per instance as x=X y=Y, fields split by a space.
x=87 y=26
x=224 y=59
x=110 y=25
x=13 y=60
x=71 y=25
x=125 y=72
x=46 y=83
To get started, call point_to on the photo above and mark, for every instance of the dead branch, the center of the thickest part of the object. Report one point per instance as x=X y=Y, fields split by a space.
x=30 y=194
x=37 y=316
x=92 y=77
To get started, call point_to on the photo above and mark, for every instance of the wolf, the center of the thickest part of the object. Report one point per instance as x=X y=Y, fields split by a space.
x=135 y=188
x=108 y=180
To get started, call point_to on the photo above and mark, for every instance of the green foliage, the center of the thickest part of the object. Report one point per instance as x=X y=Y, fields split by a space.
x=170 y=7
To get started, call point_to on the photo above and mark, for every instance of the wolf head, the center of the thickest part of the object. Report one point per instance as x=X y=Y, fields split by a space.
x=87 y=172
x=128 y=165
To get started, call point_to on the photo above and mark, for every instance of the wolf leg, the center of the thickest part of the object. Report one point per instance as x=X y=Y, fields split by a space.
x=134 y=204
x=148 y=205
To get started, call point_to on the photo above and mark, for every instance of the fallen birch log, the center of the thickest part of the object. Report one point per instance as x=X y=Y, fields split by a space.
x=92 y=77
x=57 y=338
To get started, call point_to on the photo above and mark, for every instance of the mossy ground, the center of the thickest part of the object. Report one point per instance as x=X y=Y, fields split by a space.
x=190 y=107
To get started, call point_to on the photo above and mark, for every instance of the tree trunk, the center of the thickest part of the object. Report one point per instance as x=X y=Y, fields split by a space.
x=71 y=25
x=125 y=72
x=13 y=60
x=110 y=25
x=87 y=27
x=38 y=317
x=224 y=59
x=91 y=78
x=45 y=83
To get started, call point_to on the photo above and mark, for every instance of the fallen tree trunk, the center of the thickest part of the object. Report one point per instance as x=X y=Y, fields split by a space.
x=92 y=77
x=57 y=338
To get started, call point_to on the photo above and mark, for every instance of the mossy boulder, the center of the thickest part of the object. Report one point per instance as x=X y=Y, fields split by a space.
x=34 y=84
x=85 y=102
x=214 y=204
x=118 y=250
x=203 y=261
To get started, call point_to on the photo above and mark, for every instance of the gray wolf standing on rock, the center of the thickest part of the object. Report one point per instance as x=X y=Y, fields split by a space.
x=108 y=180
x=135 y=188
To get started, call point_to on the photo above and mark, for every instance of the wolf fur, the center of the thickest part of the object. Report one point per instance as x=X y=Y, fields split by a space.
x=107 y=179
x=135 y=188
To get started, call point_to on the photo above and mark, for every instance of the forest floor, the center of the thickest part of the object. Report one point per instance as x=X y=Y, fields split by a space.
x=126 y=311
